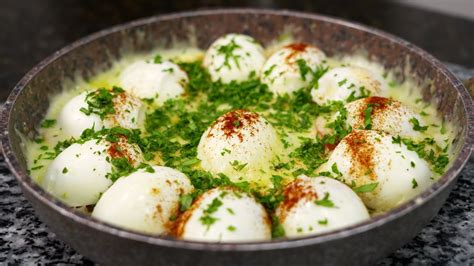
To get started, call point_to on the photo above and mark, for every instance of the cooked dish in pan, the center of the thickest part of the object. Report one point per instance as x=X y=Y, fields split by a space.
x=239 y=142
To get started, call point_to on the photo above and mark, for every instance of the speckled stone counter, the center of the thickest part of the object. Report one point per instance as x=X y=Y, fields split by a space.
x=447 y=240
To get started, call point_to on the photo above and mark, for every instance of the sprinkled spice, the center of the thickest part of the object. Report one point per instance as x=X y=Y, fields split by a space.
x=361 y=153
x=294 y=192
x=377 y=105
x=233 y=123
x=296 y=48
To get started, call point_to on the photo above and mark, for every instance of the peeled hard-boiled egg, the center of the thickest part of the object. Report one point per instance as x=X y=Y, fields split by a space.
x=234 y=57
x=381 y=114
x=78 y=175
x=343 y=83
x=236 y=142
x=289 y=69
x=159 y=81
x=388 y=172
x=145 y=201
x=224 y=215
x=317 y=205
x=73 y=121
x=387 y=115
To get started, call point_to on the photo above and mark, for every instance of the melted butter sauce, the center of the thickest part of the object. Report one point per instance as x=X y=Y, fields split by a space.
x=406 y=93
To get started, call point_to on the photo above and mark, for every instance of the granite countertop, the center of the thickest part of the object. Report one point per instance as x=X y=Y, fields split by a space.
x=34 y=29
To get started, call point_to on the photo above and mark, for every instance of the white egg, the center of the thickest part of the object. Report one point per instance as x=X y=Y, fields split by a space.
x=237 y=142
x=282 y=72
x=225 y=215
x=387 y=115
x=158 y=81
x=78 y=175
x=144 y=201
x=370 y=158
x=342 y=83
x=73 y=121
x=317 y=205
x=234 y=57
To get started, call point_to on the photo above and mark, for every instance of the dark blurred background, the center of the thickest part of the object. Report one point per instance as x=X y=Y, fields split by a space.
x=32 y=29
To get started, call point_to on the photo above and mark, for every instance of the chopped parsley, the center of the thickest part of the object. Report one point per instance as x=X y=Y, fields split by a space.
x=231 y=228
x=325 y=202
x=277 y=229
x=366 y=188
x=47 y=123
x=224 y=151
x=65 y=170
x=267 y=72
x=237 y=165
x=342 y=82
x=158 y=59
x=229 y=210
x=185 y=202
x=303 y=67
x=417 y=126
x=101 y=101
x=323 y=222
x=428 y=150
x=335 y=170
x=368 y=116
x=363 y=93
x=228 y=51
x=414 y=184
x=207 y=219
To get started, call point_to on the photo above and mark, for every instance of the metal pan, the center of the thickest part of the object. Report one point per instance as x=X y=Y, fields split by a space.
x=361 y=244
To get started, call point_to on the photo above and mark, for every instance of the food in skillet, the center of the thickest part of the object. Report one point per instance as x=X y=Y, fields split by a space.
x=240 y=142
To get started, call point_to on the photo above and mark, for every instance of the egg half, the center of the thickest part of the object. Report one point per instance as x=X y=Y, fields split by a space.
x=225 y=215
x=387 y=115
x=73 y=121
x=317 y=205
x=369 y=159
x=344 y=83
x=78 y=175
x=159 y=81
x=234 y=57
x=381 y=114
x=290 y=68
x=146 y=200
x=238 y=142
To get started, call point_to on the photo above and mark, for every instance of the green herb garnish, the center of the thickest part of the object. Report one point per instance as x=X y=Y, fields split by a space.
x=47 y=123
x=417 y=126
x=366 y=188
x=325 y=202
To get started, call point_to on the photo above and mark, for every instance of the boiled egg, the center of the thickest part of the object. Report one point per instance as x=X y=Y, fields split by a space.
x=145 y=201
x=159 y=81
x=224 y=215
x=317 y=205
x=234 y=57
x=78 y=175
x=291 y=68
x=344 y=83
x=376 y=113
x=387 y=115
x=384 y=172
x=238 y=142
x=73 y=120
